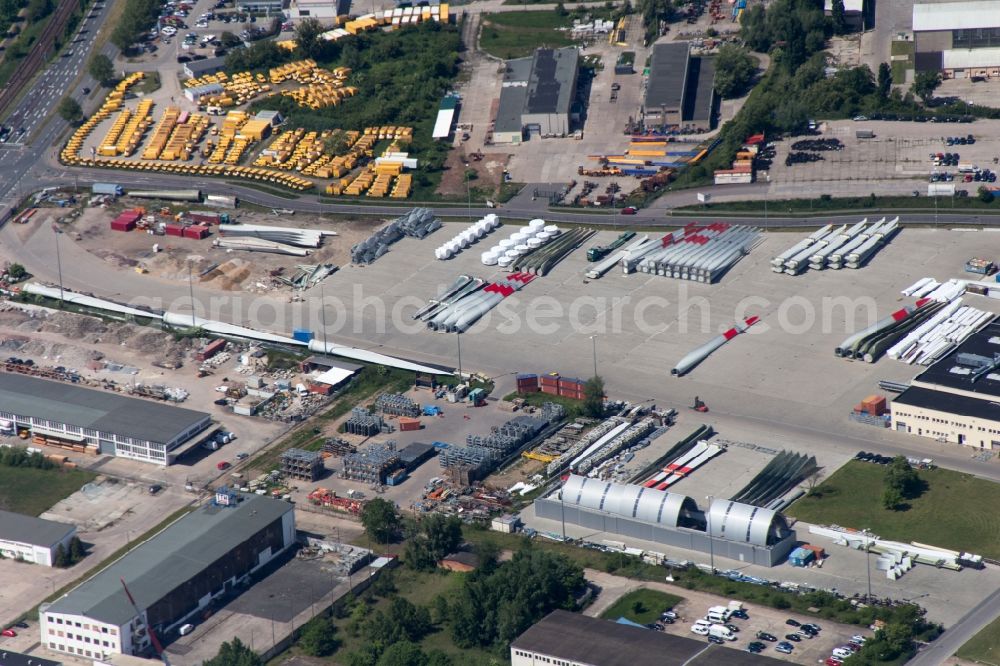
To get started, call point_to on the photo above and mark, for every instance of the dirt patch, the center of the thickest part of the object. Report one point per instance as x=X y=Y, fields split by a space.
x=489 y=172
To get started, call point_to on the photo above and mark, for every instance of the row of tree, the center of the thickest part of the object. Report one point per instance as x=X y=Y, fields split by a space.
x=13 y=456
x=137 y=18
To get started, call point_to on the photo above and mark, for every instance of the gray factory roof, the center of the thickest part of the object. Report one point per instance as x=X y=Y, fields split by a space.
x=30 y=530
x=511 y=105
x=588 y=640
x=517 y=70
x=551 y=85
x=90 y=408
x=668 y=69
x=951 y=375
x=168 y=560
x=699 y=100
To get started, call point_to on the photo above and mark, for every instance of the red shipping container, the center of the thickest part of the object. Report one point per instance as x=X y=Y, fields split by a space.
x=322 y=389
x=122 y=225
x=407 y=424
x=553 y=390
x=204 y=218
x=211 y=349
x=196 y=231
x=174 y=229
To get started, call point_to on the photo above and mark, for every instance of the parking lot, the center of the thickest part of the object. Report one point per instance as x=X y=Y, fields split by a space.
x=769 y=620
x=895 y=161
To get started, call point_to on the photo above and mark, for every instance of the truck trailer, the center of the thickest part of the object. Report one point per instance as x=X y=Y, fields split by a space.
x=107 y=188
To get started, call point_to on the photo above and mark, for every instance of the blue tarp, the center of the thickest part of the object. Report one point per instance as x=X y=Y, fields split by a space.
x=624 y=620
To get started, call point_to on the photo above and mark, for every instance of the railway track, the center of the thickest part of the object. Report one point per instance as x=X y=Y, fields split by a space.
x=37 y=57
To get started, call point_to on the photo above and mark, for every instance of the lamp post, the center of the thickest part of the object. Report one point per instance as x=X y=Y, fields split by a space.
x=458 y=337
x=593 y=340
x=868 y=560
x=708 y=527
x=58 y=232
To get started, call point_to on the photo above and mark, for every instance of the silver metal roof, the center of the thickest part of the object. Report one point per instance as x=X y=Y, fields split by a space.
x=168 y=560
x=633 y=501
x=743 y=522
x=100 y=410
x=34 y=531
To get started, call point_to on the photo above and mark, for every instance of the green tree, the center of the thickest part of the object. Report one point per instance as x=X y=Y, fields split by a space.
x=381 y=520
x=403 y=654
x=16 y=272
x=235 y=653
x=561 y=9
x=924 y=85
x=337 y=143
x=76 y=552
x=318 y=637
x=307 y=37
x=838 y=17
x=229 y=40
x=884 y=80
x=892 y=499
x=60 y=559
x=593 y=397
x=38 y=9
x=102 y=69
x=70 y=111
x=901 y=476
x=985 y=195
x=735 y=69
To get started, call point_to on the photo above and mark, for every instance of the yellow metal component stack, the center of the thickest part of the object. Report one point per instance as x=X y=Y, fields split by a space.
x=129 y=140
x=161 y=133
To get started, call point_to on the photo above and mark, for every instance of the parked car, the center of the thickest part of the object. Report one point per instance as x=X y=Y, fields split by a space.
x=732 y=627
x=784 y=648
x=795 y=638
x=814 y=628
x=741 y=614
x=716 y=639
x=859 y=639
x=668 y=615
x=699 y=629
x=833 y=661
x=244 y=455
x=21 y=625
x=155 y=488
x=10 y=633
x=764 y=636
x=223 y=465
x=756 y=646
x=629 y=210
x=793 y=623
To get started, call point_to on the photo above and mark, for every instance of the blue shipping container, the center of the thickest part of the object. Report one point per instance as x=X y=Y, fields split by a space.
x=302 y=335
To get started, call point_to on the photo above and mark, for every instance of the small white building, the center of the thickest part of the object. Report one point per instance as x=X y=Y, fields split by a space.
x=507 y=523
x=33 y=539
x=196 y=93
x=318 y=9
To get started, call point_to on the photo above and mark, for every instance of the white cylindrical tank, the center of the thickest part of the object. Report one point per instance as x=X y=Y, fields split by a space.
x=552 y=229
x=537 y=223
x=522 y=248
x=544 y=236
x=506 y=243
x=504 y=262
x=534 y=243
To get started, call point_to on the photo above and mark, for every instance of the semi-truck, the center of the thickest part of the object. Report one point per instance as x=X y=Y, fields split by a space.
x=107 y=188
x=601 y=251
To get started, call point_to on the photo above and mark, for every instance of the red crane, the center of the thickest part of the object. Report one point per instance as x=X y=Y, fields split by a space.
x=152 y=634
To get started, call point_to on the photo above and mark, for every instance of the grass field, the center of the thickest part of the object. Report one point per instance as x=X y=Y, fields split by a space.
x=33 y=491
x=642 y=606
x=942 y=516
x=574 y=407
x=899 y=67
x=518 y=34
x=984 y=647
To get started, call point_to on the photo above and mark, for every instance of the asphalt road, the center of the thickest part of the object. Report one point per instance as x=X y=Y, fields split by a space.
x=32 y=137
x=959 y=633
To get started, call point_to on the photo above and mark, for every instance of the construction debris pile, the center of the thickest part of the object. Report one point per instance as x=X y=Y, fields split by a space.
x=702 y=253
x=327 y=498
x=363 y=422
x=396 y=404
x=471 y=235
x=158 y=392
x=373 y=464
x=309 y=275
x=836 y=248
x=418 y=223
x=481 y=454
x=467 y=300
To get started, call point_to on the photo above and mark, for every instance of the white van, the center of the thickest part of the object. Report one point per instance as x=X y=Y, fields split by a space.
x=720 y=631
x=718 y=614
x=842 y=653
x=185 y=629
x=700 y=629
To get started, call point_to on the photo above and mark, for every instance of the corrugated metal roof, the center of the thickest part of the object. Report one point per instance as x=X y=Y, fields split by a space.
x=442 y=126
x=509 y=112
x=99 y=410
x=966 y=15
x=552 y=83
x=30 y=530
x=168 y=560
x=667 y=76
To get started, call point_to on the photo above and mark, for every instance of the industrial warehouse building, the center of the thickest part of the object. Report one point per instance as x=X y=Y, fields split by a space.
x=318 y=9
x=562 y=638
x=680 y=89
x=959 y=39
x=956 y=399
x=741 y=532
x=537 y=95
x=99 y=422
x=172 y=578
x=31 y=539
